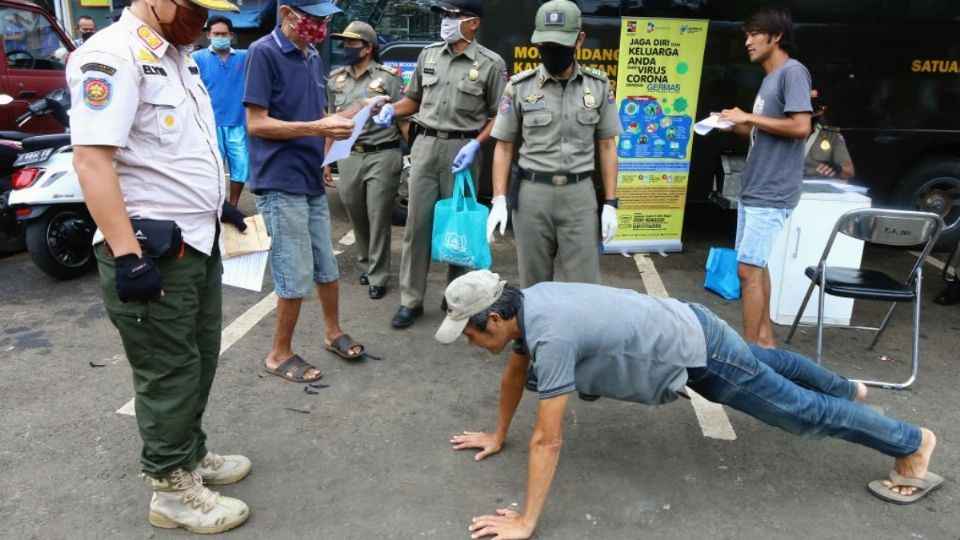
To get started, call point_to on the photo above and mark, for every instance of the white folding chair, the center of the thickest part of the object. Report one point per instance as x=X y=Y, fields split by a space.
x=884 y=227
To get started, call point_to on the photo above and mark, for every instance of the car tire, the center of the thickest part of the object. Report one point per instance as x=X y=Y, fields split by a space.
x=51 y=249
x=934 y=186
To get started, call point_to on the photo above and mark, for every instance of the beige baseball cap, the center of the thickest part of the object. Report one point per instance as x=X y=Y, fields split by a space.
x=467 y=296
x=558 y=21
x=358 y=30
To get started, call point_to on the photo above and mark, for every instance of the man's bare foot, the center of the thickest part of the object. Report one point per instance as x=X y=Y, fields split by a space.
x=275 y=359
x=861 y=393
x=915 y=465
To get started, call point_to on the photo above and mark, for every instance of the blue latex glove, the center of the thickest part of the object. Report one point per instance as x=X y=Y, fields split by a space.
x=465 y=156
x=385 y=116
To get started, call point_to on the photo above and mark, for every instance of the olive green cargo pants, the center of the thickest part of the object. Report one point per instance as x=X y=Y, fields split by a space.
x=173 y=346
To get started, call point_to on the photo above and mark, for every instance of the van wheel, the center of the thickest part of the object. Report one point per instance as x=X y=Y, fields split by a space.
x=934 y=186
x=59 y=242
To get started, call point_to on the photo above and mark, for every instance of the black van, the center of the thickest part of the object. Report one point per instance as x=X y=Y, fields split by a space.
x=889 y=72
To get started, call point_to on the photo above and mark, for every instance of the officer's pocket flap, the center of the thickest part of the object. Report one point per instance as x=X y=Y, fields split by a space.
x=162 y=94
x=167 y=308
x=470 y=87
x=429 y=80
x=542 y=118
x=588 y=116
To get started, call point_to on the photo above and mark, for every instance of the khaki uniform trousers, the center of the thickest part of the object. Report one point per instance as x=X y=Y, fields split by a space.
x=368 y=188
x=173 y=346
x=553 y=221
x=430 y=180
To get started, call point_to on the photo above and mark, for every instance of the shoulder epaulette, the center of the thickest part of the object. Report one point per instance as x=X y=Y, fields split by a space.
x=388 y=69
x=435 y=44
x=524 y=75
x=595 y=73
x=339 y=70
x=489 y=53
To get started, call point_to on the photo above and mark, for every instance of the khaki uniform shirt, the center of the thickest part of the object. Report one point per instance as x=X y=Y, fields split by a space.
x=828 y=147
x=132 y=90
x=558 y=126
x=457 y=92
x=344 y=90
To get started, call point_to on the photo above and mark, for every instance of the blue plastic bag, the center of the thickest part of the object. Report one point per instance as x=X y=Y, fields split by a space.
x=460 y=228
x=722 y=273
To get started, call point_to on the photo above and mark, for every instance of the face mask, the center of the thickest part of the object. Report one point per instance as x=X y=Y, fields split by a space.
x=309 y=30
x=556 y=59
x=220 y=43
x=86 y=35
x=185 y=27
x=352 y=55
x=450 y=29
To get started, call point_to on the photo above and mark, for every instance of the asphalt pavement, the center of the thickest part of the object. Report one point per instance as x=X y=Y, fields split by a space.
x=369 y=457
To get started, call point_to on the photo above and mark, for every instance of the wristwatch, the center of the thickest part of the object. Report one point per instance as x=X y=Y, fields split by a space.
x=612 y=202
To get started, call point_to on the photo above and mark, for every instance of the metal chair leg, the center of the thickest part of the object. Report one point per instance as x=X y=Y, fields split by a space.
x=883 y=326
x=803 y=306
x=822 y=297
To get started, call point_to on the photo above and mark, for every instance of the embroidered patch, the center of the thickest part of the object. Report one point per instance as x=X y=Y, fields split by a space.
x=149 y=38
x=146 y=56
x=555 y=18
x=429 y=70
x=611 y=97
x=97 y=93
x=168 y=122
x=505 y=105
x=96 y=66
x=153 y=70
x=504 y=75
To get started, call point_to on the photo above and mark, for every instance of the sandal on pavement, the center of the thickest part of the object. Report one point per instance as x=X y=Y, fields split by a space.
x=925 y=485
x=293 y=369
x=343 y=345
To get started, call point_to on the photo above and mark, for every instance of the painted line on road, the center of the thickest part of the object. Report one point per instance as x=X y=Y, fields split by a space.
x=231 y=334
x=936 y=263
x=714 y=422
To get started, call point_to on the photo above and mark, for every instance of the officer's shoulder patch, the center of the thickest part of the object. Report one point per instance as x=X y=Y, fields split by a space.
x=523 y=75
x=99 y=67
x=97 y=93
x=388 y=69
x=595 y=73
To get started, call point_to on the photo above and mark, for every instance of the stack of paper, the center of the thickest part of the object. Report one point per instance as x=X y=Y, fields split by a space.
x=245 y=254
x=709 y=123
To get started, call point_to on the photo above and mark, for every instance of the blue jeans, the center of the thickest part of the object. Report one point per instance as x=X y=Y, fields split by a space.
x=791 y=392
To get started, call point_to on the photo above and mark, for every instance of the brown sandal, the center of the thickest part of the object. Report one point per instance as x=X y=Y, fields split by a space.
x=293 y=370
x=342 y=346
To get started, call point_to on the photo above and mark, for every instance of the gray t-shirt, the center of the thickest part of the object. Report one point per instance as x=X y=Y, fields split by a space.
x=773 y=175
x=608 y=342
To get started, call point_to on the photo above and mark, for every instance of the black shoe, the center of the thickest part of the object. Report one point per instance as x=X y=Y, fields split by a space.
x=405 y=316
x=378 y=291
x=364 y=279
x=950 y=295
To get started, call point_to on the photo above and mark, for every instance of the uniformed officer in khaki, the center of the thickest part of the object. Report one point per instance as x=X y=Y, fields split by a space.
x=454 y=91
x=826 y=155
x=145 y=146
x=369 y=178
x=561 y=112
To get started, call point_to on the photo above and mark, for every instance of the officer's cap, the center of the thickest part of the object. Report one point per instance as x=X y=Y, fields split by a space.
x=460 y=7
x=558 y=21
x=217 y=5
x=358 y=30
x=317 y=8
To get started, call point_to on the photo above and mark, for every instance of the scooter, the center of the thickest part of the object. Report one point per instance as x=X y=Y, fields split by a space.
x=11 y=233
x=47 y=199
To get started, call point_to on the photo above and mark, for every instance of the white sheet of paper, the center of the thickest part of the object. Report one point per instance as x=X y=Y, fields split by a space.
x=341 y=149
x=246 y=271
x=709 y=123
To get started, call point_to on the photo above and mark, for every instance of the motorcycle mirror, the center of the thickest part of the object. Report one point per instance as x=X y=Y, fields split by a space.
x=60 y=53
x=5 y=99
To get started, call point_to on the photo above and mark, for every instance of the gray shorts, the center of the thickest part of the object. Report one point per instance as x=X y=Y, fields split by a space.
x=301 y=249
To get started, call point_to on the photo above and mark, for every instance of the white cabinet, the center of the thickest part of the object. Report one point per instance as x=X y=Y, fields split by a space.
x=800 y=245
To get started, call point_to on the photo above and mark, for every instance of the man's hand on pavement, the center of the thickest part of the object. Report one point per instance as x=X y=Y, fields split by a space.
x=465 y=156
x=385 y=117
x=488 y=443
x=335 y=127
x=498 y=216
x=506 y=525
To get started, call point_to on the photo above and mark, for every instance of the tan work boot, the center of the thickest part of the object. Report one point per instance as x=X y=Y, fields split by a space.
x=219 y=470
x=181 y=500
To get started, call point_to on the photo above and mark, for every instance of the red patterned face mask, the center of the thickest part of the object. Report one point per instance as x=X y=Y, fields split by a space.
x=310 y=30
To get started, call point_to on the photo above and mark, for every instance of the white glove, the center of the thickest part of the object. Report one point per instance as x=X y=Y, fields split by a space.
x=608 y=223
x=385 y=117
x=498 y=215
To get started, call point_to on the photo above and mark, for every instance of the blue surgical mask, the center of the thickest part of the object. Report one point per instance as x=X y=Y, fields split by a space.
x=220 y=43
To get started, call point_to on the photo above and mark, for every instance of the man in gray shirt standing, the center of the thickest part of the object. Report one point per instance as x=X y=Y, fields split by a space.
x=773 y=175
x=634 y=347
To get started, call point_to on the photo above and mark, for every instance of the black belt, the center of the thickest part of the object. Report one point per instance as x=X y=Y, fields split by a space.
x=554 y=179
x=449 y=134
x=370 y=148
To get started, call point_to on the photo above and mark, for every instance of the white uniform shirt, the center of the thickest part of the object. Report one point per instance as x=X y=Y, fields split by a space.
x=132 y=90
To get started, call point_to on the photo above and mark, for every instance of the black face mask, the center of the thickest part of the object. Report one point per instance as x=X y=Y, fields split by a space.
x=556 y=59
x=352 y=55
x=86 y=35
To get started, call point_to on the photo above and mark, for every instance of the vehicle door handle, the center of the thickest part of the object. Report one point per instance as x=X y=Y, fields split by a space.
x=28 y=93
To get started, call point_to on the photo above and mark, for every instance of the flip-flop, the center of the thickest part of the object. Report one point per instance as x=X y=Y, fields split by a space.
x=929 y=483
x=342 y=345
x=293 y=369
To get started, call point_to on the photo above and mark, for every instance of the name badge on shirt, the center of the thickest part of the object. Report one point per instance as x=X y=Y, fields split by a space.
x=429 y=70
x=536 y=106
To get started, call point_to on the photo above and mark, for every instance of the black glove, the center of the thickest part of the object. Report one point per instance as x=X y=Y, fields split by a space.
x=231 y=215
x=137 y=279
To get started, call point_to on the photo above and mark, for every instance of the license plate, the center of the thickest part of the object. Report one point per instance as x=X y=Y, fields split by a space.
x=29 y=158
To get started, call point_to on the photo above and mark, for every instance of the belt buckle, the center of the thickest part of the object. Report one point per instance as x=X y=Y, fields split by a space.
x=358 y=148
x=443 y=135
x=559 y=180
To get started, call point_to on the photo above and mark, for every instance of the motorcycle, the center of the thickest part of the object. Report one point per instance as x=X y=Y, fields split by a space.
x=47 y=199
x=11 y=233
